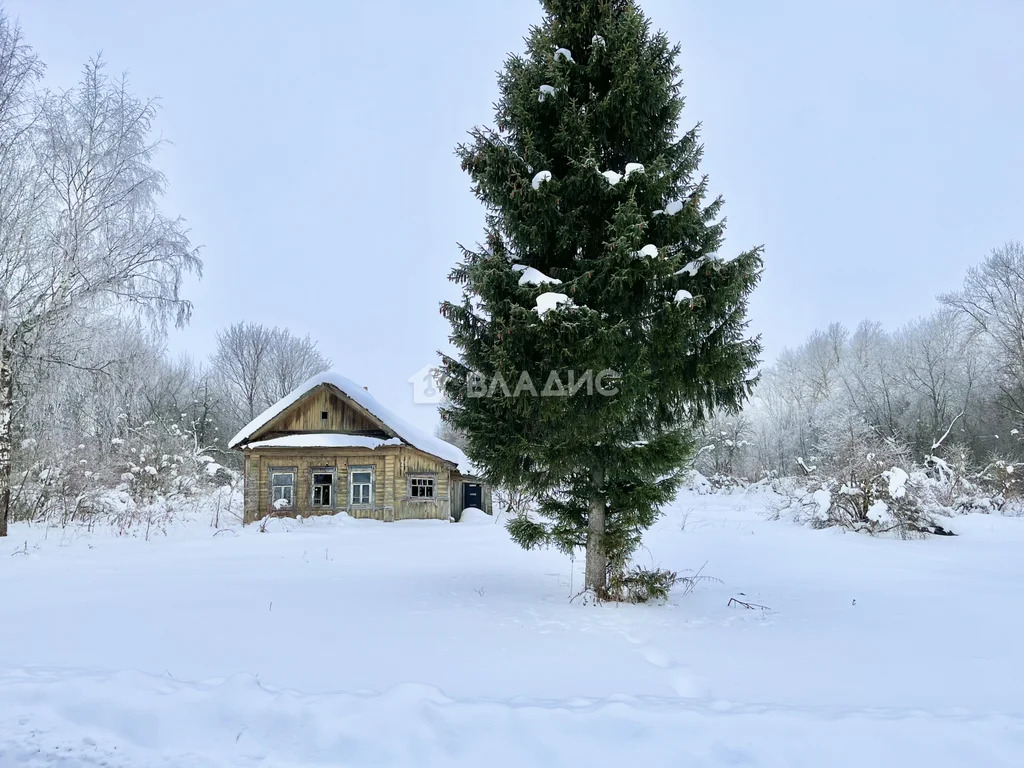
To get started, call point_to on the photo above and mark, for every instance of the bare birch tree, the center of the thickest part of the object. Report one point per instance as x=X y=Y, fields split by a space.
x=992 y=299
x=19 y=70
x=260 y=365
x=81 y=232
x=241 y=359
x=293 y=359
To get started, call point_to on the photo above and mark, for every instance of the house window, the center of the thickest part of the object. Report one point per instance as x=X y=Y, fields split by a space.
x=324 y=415
x=282 y=488
x=360 y=486
x=421 y=487
x=322 y=485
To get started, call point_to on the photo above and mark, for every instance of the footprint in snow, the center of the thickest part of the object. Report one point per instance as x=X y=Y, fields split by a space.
x=687 y=685
x=657 y=657
x=678 y=676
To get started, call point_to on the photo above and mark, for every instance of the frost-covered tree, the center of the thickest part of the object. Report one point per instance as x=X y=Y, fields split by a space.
x=258 y=366
x=946 y=374
x=241 y=360
x=81 y=231
x=19 y=70
x=930 y=386
x=293 y=359
x=600 y=256
x=868 y=380
x=992 y=300
x=723 y=446
x=127 y=426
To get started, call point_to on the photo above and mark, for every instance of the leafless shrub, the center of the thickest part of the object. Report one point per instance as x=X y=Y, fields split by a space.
x=690 y=579
x=514 y=502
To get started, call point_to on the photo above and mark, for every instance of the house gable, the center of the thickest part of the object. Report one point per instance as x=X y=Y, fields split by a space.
x=306 y=415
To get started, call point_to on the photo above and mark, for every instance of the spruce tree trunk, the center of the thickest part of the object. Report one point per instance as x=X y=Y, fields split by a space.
x=6 y=411
x=597 y=557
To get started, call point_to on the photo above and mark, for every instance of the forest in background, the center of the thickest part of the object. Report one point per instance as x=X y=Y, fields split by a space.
x=940 y=399
x=951 y=384
x=97 y=420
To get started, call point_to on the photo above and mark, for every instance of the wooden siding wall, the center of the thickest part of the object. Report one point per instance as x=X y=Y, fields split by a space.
x=304 y=416
x=392 y=467
x=250 y=490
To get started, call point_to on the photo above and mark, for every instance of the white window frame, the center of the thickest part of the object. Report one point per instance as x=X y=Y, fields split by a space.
x=333 y=472
x=432 y=477
x=293 y=471
x=373 y=483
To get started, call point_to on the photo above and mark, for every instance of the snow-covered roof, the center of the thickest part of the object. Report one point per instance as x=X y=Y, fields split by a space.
x=402 y=429
x=324 y=440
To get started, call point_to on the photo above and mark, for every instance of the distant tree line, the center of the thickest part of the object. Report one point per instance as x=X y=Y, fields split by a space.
x=945 y=388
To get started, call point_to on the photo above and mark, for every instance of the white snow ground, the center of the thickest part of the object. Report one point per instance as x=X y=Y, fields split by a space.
x=336 y=642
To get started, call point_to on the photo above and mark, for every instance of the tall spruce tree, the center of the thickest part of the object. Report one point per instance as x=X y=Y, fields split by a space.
x=587 y=180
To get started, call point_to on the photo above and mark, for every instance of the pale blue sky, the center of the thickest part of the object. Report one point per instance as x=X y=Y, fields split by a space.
x=873 y=147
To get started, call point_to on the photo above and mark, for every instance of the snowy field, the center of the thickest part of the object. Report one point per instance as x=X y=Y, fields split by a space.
x=337 y=642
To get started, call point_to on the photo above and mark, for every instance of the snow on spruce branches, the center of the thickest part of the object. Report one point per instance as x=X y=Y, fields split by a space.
x=568 y=184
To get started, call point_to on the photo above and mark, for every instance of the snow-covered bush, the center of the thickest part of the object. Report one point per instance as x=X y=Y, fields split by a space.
x=127 y=447
x=1002 y=480
x=959 y=485
x=716 y=483
x=862 y=482
x=142 y=480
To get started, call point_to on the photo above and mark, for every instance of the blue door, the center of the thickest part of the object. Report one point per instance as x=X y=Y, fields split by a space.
x=472 y=495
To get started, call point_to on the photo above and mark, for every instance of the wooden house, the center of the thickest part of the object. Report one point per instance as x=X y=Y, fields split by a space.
x=330 y=447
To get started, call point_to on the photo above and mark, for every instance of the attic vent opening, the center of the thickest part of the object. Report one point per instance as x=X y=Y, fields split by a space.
x=324 y=415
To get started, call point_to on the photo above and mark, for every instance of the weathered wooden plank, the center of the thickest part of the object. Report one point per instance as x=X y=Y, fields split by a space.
x=307 y=415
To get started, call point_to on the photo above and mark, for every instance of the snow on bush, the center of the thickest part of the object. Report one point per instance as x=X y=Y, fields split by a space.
x=140 y=481
x=866 y=483
x=963 y=487
x=715 y=483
